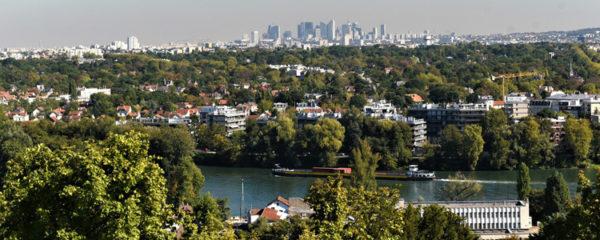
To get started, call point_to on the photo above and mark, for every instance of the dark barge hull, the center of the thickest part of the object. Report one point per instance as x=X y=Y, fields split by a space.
x=382 y=176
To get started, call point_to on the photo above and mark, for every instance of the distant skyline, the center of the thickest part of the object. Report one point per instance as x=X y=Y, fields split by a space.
x=54 y=23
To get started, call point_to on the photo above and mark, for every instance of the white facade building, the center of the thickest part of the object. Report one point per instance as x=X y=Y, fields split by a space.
x=133 y=43
x=231 y=118
x=491 y=219
x=381 y=109
x=84 y=94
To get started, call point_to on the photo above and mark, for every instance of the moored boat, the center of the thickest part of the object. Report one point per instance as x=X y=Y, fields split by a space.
x=413 y=173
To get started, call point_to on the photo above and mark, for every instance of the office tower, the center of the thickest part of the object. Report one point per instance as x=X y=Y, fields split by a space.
x=274 y=32
x=323 y=28
x=132 y=43
x=255 y=37
x=309 y=28
x=383 y=31
x=375 y=33
x=287 y=34
x=346 y=29
x=331 y=30
x=301 y=31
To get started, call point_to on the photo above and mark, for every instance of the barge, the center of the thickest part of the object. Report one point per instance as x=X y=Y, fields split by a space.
x=413 y=173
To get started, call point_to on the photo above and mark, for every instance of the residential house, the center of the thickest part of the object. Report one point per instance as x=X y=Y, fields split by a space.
x=280 y=209
x=38 y=113
x=20 y=115
x=123 y=111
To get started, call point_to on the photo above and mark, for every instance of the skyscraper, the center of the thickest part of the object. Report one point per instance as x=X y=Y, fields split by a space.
x=331 y=30
x=254 y=37
x=383 y=31
x=301 y=31
x=132 y=43
x=323 y=28
x=375 y=33
x=274 y=32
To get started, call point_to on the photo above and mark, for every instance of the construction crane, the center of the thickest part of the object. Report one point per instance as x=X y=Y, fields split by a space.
x=511 y=75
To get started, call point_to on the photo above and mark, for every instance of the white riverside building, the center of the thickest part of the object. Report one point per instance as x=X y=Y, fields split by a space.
x=490 y=219
x=231 y=118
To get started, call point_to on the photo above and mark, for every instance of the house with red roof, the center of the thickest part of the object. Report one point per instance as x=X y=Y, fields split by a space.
x=281 y=208
x=415 y=97
x=123 y=111
x=20 y=115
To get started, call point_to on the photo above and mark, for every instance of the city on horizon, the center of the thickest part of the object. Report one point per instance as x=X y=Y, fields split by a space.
x=65 y=23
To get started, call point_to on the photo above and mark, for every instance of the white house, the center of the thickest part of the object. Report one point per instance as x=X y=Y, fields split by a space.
x=20 y=115
x=280 y=209
x=84 y=94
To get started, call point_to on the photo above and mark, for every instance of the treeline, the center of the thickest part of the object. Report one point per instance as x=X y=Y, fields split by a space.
x=326 y=143
x=496 y=145
x=437 y=73
x=493 y=145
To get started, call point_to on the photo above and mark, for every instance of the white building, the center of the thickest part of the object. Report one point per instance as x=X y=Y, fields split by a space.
x=84 y=94
x=381 y=109
x=133 y=43
x=231 y=118
x=419 y=130
x=491 y=219
x=254 y=37
x=280 y=209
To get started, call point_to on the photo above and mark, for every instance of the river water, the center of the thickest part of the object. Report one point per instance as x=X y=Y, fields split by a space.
x=260 y=187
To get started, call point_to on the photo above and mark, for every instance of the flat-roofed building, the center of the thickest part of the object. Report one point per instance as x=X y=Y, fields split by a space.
x=491 y=219
x=231 y=118
x=439 y=116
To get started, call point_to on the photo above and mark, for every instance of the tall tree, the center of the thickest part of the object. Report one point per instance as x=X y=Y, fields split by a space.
x=578 y=136
x=473 y=145
x=557 y=194
x=364 y=164
x=523 y=180
x=496 y=148
x=323 y=140
x=112 y=190
x=450 y=149
x=13 y=140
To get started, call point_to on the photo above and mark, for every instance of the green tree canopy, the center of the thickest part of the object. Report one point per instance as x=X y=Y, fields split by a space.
x=364 y=164
x=109 y=190
x=523 y=180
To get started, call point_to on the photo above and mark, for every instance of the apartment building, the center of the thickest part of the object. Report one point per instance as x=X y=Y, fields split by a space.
x=438 y=116
x=231 y=118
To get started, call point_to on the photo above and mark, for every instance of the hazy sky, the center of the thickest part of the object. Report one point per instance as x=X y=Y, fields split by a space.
x=49 y=23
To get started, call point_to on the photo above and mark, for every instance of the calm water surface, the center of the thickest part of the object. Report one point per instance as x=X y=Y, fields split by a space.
x=260 y=187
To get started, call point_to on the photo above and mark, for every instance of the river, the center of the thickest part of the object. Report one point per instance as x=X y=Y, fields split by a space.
x=260 y=187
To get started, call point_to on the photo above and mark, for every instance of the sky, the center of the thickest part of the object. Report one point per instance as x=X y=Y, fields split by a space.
x=54 y=23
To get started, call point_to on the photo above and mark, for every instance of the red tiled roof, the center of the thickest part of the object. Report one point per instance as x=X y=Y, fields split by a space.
x=255 y=211
x=498 y=102
x=252 y=117
x=270 y=214
x=283 y=200
x=126 y=108
x=415 y=97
